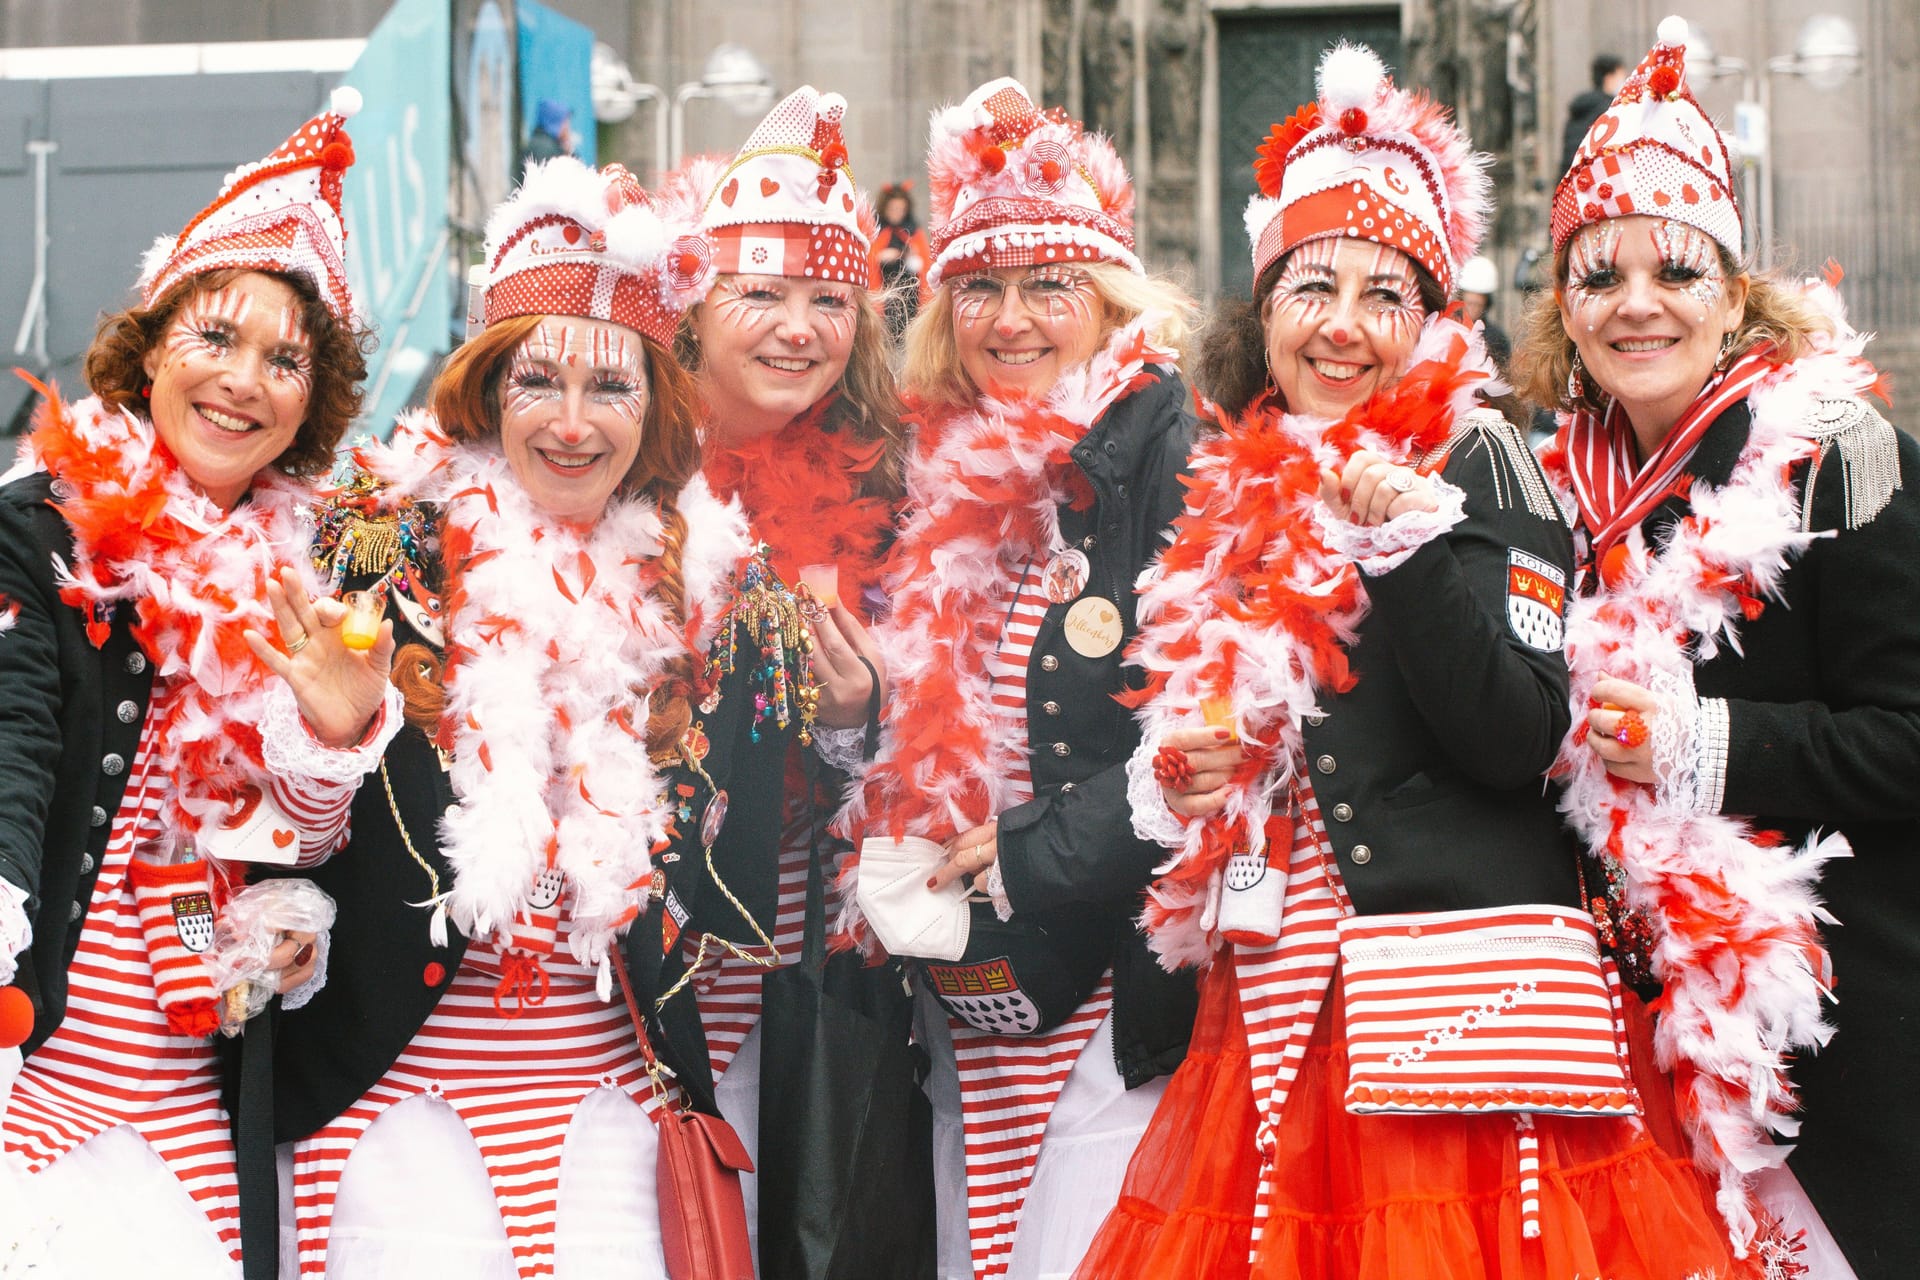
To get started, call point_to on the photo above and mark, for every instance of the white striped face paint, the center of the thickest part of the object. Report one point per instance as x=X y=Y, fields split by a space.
x=771 y=347
x=231 y=378
x=573 y=411
x=1341 y=320
x=1647 y=303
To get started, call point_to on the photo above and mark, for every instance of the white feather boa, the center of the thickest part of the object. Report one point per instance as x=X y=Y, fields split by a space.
x=555 y=639
x=1735 y=919
x=1220 y=613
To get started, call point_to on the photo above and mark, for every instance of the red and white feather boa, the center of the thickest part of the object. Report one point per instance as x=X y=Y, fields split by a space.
x=196 y=579
x=1735 y=914
x=984 y=488
x=555 y=639
x=1249 y=603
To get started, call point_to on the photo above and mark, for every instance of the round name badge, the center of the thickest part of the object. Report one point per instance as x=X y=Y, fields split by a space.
x=714 y=818
x=1093 y=627
x=1066 y=575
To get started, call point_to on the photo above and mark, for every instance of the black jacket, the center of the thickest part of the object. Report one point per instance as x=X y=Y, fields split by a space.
x=385 y=974
x=70 y=718
x=1429 y=773
x=1072 y=846
x=1823 y=704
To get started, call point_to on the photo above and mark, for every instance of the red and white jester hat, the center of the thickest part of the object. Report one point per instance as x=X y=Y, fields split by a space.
x=1011 y=187
x=1654 y=152
x=281 y=213
x=787 y=205
x=578 y=241
x=1371 y=161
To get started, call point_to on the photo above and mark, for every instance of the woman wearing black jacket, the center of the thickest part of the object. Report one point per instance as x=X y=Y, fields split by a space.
x=556 y=811
x=1052 y=429
x=1407 y=1060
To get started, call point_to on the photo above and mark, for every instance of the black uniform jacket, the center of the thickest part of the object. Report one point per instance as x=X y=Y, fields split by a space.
x=1072 y=846
x=70 y=718
x=386 y=976
x=1430 y=772
x=1823 y=709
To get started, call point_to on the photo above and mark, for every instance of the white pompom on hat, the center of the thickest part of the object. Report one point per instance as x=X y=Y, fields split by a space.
x=1654 y=151
x=1012 y=187
x=280 y=213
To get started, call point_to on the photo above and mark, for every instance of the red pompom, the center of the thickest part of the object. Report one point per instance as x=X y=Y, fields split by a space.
x=337 y=154
x=993 y=159
x=16 y=1017
x=687 y=265
x=1615 y=564
x=1050 y=170
x=1353 y=120
x=1664 y=81
x=833 y=155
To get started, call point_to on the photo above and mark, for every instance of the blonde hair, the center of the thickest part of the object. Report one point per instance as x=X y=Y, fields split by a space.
x=1778 y=313
x=932 y=368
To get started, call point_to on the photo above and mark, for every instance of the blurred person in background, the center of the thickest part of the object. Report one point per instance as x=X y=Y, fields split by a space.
x=1609 y=70
x=900 y=251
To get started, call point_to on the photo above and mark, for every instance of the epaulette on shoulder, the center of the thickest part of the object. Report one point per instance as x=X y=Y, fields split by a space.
x=1869 y=449
x=1515 y=474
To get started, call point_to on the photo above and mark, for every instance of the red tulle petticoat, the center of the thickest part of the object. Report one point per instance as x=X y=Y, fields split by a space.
x=1396 y=1197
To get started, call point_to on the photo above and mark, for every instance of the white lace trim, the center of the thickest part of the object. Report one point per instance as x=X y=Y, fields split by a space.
x=995 y=887
x=16 y=930
x=1379 y=548
x=298 y=997
x=842 y=749
x=1689 y=743
x=1152 y=820
x=290 y=750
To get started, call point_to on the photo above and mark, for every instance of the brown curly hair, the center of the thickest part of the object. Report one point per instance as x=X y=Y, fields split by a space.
x=1777 y=313
x=465 y=399
x=116 y=362
x=869 y=403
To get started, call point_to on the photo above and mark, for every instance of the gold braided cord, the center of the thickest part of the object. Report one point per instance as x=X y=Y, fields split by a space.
x=393 y=806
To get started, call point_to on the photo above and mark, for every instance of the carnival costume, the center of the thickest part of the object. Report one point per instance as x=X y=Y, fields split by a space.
x=1746 y=574
x=501 y=861
x=1011 y=602
x=139 y=721
x=1398 y=690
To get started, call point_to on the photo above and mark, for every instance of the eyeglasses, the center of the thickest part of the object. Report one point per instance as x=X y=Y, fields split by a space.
x=1047 y=292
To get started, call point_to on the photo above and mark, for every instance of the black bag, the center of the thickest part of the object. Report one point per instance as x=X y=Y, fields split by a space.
x=846 y=1134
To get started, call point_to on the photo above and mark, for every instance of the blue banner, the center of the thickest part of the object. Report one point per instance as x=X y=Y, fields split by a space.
x=395 y=199
x=556 y=81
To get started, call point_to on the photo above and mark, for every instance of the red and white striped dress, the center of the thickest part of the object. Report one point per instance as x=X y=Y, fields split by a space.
x=112 y=1061
x=1045 y=1124
x=509 y=1082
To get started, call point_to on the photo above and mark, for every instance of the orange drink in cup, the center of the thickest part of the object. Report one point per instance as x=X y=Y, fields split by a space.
x=360 y=629
x=824 y=581
x=1218 y=713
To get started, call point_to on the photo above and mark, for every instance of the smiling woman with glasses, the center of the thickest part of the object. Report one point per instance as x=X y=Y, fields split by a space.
x=1052 y=431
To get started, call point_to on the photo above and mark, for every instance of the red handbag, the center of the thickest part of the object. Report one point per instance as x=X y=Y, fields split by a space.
x=703 y=1215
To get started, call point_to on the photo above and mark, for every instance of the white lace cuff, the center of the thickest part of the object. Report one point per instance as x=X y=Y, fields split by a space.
x=996 y=890
x=16 y=931
x=1689 y=737
x=1378 y=548
x=290 y=750
x=1152 y=820
x=307 y=990
x=842 y=749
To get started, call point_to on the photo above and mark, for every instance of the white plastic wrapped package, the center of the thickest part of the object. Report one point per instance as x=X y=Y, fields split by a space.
x=254 y=922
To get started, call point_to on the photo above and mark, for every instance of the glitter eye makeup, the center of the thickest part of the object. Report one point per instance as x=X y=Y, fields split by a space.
x=619 y=374
x=292 y=360
x=1689 y=261
x=1306 y=280
x=1393 y=296
x=613 y=364
x=1591 y=266
x=746 y=303
x=207 y=325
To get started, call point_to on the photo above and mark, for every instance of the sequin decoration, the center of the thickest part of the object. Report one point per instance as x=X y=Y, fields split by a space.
x=355 y=536
x=765 y=619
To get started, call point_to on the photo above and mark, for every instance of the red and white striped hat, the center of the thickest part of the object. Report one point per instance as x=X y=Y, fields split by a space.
x=281 y=213
x=1011 y=187
x=787 y=204
x=1371 y=161
x=1654 y=152
x=578 y=241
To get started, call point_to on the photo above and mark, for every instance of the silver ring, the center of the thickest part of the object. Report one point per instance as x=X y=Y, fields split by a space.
x=1402 y=482
x=295 y=646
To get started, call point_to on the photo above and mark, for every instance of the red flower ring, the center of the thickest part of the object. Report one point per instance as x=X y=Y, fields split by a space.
x=1171 y=768
x=1631 y=732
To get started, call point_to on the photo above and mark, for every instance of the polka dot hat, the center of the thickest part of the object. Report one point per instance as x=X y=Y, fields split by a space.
x=280 y=213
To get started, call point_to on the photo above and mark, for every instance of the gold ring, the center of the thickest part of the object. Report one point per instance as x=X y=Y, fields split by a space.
x=295 y=646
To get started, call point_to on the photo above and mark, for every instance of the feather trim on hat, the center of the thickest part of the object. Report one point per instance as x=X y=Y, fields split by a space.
x=563 y=185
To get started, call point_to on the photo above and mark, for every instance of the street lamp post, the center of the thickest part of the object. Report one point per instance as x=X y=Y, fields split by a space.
x=1827 y=52
x=731 y=75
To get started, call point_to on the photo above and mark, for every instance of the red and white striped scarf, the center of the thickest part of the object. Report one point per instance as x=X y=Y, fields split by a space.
x=1614 y=492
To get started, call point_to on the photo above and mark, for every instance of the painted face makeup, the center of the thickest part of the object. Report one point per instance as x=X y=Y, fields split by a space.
x=572 y=414
x=771 y=347
x=1647 y=303
x=232 y=375
x=1341 y=320
x=1019 y=328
